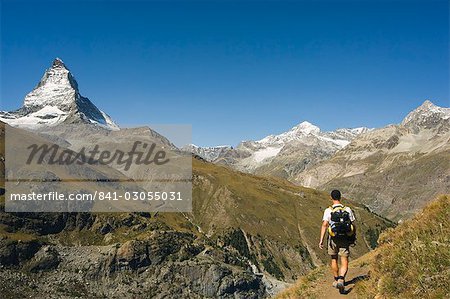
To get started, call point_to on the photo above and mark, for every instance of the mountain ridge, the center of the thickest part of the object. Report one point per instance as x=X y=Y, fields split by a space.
x=401 y=157
x=407 y=159
x=272 y=153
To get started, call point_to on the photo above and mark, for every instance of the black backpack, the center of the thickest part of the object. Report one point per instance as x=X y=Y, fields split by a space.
x=341 y=225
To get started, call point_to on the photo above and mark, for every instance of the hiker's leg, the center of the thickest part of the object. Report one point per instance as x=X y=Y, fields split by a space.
x=334 y=265
x=344 y=266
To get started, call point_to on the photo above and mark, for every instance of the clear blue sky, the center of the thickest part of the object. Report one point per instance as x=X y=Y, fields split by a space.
x=235 y=70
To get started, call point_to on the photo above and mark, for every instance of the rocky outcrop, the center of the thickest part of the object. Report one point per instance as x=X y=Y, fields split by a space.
x=13 y=253
x=45 y=223
x=45 y=259
x=163 y=265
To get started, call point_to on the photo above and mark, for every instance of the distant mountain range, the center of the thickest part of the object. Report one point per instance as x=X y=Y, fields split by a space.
x=423 y=130
x=393 y=170
x=283 y=155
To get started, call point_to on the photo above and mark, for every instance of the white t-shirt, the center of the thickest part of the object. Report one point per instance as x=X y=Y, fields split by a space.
x=327 y=213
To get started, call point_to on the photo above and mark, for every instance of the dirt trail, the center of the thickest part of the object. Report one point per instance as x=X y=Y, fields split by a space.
x=354 y=275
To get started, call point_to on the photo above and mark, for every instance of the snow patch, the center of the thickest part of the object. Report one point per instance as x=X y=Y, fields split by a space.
x=339 y=142
x=49 y=111
x=266 y=153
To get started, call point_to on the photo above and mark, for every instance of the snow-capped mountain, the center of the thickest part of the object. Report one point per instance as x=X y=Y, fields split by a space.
x=283 y=154
x=208 y=153
x=293 y=150
x=393 y=170
x=426 y=116
x=54 y=100
x=340 y=137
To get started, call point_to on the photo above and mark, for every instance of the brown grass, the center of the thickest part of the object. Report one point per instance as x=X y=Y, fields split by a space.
x=413 y=260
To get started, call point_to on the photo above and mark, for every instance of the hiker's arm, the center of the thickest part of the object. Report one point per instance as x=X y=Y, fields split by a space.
x=322 y=233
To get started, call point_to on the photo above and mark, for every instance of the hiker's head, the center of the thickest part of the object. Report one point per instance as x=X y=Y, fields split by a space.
x=336 y=195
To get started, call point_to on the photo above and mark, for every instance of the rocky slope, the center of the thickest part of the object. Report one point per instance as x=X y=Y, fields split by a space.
x=393 y=170
x=56 y=99
x=284 y=155
x=153 y=260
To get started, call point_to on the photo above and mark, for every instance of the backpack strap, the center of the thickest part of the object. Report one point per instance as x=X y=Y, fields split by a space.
x=340 y=206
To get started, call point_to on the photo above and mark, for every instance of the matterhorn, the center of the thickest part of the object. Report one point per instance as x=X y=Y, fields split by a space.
x=56 y=99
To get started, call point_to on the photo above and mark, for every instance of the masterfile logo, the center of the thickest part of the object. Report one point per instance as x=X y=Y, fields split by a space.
x=84 y=168
x=148 y=155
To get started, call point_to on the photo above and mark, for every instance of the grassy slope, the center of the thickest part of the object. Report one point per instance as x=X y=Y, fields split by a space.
x=413 y=260
x=271 y=209
x=261 y=205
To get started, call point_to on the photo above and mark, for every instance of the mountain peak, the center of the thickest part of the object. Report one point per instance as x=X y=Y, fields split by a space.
x=429 y=107
x=57 y=87
x=301 y=130
x=58 y=63
x=306 y=127
x=305 y=124
x=56 y=99
x=426 y=115
x=426 y=105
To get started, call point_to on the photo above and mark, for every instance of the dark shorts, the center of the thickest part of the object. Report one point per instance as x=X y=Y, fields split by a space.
x=338 y=247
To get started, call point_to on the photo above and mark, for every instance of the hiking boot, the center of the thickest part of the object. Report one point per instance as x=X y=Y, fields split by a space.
x=335 y=284
x=340 y=285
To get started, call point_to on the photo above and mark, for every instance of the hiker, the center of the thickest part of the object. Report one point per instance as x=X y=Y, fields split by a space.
x=338 y=220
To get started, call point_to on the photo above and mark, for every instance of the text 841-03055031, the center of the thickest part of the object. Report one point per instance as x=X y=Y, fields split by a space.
x=150 y=195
